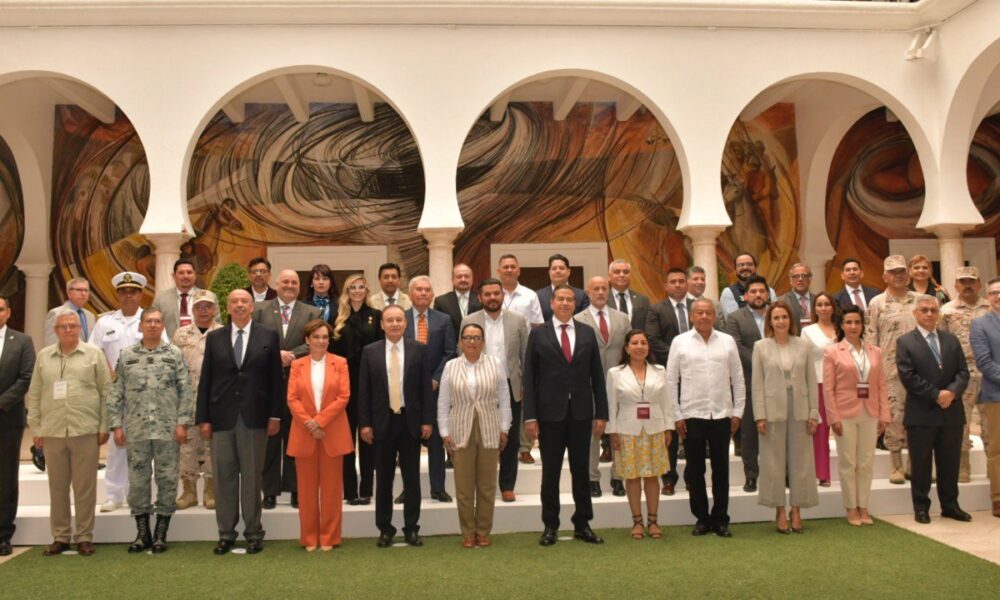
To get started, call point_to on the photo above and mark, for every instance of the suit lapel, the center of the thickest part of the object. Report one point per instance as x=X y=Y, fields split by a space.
x=7 y=348
x=554 y=338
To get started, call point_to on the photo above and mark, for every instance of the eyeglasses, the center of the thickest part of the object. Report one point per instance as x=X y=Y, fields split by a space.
x=993 y=293
x=472 y=338
x=802 y=277
x=358 y=288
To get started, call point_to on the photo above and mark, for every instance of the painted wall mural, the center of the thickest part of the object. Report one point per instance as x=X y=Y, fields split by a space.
x=11 y=220
x=876 y=191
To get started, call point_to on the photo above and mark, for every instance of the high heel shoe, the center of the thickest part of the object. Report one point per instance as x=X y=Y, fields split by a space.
x=637 y=531
x=654 y=528
x=783 y=530
x=853 y=518
x=795 y=515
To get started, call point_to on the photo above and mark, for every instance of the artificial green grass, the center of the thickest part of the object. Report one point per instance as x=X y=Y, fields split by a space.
x=830 y=560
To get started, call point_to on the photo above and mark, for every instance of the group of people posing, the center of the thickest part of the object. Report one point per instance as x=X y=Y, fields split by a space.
x=324 y=398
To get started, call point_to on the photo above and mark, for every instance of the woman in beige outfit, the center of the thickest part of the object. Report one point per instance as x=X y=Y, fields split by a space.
x=786 y=405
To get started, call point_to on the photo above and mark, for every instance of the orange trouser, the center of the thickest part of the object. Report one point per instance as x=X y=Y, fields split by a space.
x=321 y=497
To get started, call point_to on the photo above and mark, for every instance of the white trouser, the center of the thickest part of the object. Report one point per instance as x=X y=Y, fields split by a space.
x=116 y=473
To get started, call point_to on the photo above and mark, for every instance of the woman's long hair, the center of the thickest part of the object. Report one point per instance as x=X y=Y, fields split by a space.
x=344 y=303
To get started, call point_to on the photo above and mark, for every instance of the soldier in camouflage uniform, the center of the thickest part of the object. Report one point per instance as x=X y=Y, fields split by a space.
x=191 y=340
x=956 y=317
x=890 y=315
x=151 y=399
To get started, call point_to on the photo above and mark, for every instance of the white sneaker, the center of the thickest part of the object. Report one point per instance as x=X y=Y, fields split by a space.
x=110 y=505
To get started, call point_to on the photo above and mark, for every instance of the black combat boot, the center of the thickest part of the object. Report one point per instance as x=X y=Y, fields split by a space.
x=143 y=539
x=160 y=535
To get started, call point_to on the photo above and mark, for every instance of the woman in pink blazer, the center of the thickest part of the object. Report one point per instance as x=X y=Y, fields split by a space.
x=318 y=390
x=857 y=409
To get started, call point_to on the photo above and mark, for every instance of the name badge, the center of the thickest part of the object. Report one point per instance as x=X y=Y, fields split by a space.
x=863 y=391
x=60 y=390
x=642 y=412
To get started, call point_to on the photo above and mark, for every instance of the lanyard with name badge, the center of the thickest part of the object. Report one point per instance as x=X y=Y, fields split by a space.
x=642 y=410
x=863 y=386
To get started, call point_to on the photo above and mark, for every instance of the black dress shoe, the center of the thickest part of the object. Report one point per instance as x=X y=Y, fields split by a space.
x=365 y=500
x=921 y=516
x=353 y=501
x=38 y=458
x=448 y=464
x=384 y=540
x=400 y=498
x=269 y=502
x=700 y=529
x=595 y=489
x=956 y=513
x=617 y=487
x=5 y=548
x=222 y=547
x=549 y=537
x=413 y=538
x=255 y=546
x=586 y=534
x=750 y=486
x=441 y=496
x=295 y=500
x=723 y=531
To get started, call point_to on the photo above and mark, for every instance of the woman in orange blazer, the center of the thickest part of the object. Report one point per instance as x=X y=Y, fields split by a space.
x=857 y=409
x=318 y=390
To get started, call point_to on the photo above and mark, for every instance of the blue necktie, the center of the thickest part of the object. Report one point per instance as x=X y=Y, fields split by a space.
x=933 y=343
x=238 y=348
x=83 y=323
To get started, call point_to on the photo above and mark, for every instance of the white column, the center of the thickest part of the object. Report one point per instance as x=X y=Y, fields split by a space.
x=817 y=262
x=703 y=244
x=168 y=250
x=951 y=253
x=440 y=243
x=36 y=300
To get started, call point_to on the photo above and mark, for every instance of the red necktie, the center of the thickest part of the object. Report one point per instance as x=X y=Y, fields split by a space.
x=422 y=329
x=567 y=350
x=185 y=318
x=804 y=304
x=604 y=326
x=857 y=299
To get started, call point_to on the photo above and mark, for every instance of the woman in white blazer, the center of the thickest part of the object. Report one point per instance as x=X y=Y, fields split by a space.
x=641 y=424
x=786 y=407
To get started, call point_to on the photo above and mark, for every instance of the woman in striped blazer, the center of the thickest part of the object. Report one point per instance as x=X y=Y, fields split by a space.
x=474 y=416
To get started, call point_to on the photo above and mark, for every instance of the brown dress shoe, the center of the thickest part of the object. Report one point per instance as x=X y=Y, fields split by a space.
x=668 y=489
x=469 y=542
x=85 y=549
x=55 y=548
x=996 y=509
x=507 y=496
x=483 y=541
x=526 y=458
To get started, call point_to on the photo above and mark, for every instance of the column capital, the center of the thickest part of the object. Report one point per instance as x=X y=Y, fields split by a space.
x=440 y=237
x=168 y=242
x=35 y=270
x=948 y=232
x=702 y=234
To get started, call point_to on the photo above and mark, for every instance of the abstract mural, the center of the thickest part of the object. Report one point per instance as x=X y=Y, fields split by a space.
x=11 y=220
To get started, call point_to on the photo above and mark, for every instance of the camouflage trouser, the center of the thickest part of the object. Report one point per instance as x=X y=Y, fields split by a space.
x=973 y=414
x=196 y=457
x=895 y=433
x=145 y=456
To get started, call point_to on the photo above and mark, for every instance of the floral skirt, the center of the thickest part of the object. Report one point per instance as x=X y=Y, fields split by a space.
x=643 y=455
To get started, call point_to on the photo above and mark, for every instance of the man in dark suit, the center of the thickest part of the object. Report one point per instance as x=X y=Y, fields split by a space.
x=260 y=274
x=395 y=412
x=633 y=304
x=559 y=275
x=286 y=315
x=933 y=370
x=746 y=326
x=664 y=321
x=460 y=302
x=17 y=360
x=854 y=292
x=799 y=298
x=433 y=329
x=240 y=398
x=565 y=403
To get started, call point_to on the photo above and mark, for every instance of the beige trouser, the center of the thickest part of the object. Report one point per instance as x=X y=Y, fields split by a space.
x=895 y=433
x=856 y=455
x=72 y=460
x=973 y=414
x=475 y=484
x=991 y=410
x=787 y=450
x=190 y=451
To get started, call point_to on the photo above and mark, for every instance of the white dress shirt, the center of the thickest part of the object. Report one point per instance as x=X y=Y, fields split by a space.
x=615 y=300
x=819 y=343
x=570 y=332
x=860 y=361
x=463 y=302
x=595 y=313
x=246 y=337
x=495 y=343
x=386 y=298
x=701 y=369
x=318 y=379
x=524 y=301
x=3 y=338
x=259 y=297
x=388 y=369
x=861 y=295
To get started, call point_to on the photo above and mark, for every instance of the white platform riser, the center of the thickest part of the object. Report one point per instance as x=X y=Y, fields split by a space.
x=34 y=488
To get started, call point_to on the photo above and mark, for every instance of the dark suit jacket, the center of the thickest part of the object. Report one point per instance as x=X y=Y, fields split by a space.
x=662 y=327
x=16 y=365
x=845 y=300
x=448 y=304
x=742 y=326
x=360 y=329
x=545 y=299
x=924 y=379
x=271 y=293
x=555 y=389
x=294 y=340
x=640 y=306
x=373 y=389
x=255 y=390
x=440 y=339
